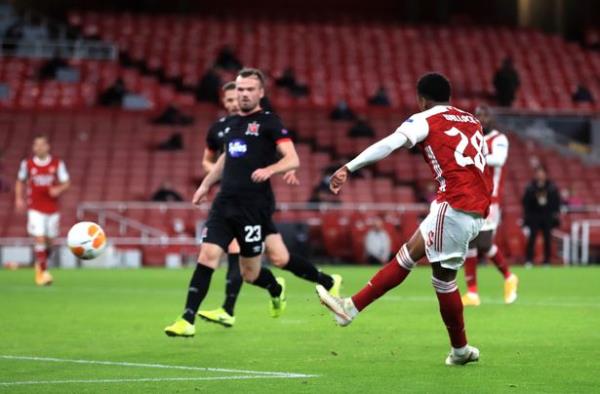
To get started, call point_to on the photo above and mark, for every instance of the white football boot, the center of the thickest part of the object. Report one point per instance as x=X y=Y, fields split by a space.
x=470 y=355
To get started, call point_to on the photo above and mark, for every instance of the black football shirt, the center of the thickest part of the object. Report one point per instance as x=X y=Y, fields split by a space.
x=216 y=135
x=250 y=143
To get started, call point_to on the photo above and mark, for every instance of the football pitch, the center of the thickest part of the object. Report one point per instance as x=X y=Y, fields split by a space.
x=102 y=331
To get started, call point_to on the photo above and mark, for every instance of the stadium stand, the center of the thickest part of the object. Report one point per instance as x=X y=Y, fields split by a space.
x=111 y=157
x=183 y=47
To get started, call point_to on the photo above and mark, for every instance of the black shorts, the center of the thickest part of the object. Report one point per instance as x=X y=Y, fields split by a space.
x=248 y=224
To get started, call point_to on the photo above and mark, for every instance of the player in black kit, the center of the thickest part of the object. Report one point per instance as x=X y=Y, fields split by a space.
x=214 y=148
x=244 y=207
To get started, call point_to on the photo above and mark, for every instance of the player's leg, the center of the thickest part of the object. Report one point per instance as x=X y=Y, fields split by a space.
x=208 y=261
x=278 y=255
x=253 y=272
x=250 y=233
x=471 y=297
x=388 y=277
x=451 y=310
x=37 y=228
x=547 y=234
x=454 y=231
x=216 y=239
x=234 y=281
x=533 y=230
x=233 y=284
x=511 y=281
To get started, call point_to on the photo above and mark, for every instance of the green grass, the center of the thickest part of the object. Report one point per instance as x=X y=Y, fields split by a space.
x=549 y=341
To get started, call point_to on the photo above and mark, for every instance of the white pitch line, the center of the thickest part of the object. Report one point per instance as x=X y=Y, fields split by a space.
x=160 y=366
x=144 y=380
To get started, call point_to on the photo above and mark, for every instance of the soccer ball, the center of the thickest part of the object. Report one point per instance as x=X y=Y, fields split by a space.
x=86 y=240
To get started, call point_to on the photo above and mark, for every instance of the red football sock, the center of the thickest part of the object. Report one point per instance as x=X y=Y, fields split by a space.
x=451 y=309
x=497 y=258
x=41 y=256
x=388 y=277
x=471 y=273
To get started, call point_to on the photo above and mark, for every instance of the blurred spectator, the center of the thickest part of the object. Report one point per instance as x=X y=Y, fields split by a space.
x=12 y=36
x=227 y=59
x=288 y=81
x=342 y=111
x=380 y=98
x=173 y=116
x=506 y=83
x=541 y=206
x=173 y=143
x=361 y=128
x=165 y=193
x=49 y=69
x=378 y=244
x=209 y=87
x=582 y=95
x=569 y=201
x=113 y=95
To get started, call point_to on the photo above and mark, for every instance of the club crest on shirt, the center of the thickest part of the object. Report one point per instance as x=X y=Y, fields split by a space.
x=253 y=129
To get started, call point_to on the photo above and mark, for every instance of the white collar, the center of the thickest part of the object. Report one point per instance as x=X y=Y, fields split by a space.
x=42 y=162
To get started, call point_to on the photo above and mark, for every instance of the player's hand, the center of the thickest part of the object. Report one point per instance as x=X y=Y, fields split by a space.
x=200 y=195
x=290 y=178
x=54 y=191
x=262 y=175
x=338 y=179
x=20 y=205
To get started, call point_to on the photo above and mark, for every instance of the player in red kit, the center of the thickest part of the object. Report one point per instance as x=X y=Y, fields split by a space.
x=453 y=146
x=483 y=246
x=40 y=181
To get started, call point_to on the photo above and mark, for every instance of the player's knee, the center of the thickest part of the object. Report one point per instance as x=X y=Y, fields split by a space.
x=278 y=258
x=209 y=257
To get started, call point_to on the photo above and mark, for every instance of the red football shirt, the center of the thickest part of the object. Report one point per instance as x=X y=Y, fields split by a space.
x=40 y=175
x=453 y=145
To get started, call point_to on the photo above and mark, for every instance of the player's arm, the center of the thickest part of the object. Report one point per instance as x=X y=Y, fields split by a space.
x=289 y=161
x=63 y=181
x=499 y=152
x=209 y=158
x=209 y=180
x=407 y=135
x=20 y=204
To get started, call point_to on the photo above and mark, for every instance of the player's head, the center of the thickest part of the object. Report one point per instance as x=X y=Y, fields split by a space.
x=432 y=89
x=41 y=146
x=540 y=174
x=485 y=116
x=250 y=86
x=229 y=98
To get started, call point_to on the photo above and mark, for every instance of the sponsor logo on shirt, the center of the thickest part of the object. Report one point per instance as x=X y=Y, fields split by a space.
x=237 y=148
x=253 y=129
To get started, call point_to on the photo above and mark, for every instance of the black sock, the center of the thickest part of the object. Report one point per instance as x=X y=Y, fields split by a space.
x=197 y=291
x=304 y=269
x=267 y=281
x=234 y=282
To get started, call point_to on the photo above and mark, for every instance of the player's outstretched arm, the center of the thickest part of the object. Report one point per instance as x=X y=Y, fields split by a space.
x=209 y=180
x=289 y=161
x=379 y=150
x=372 y=154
